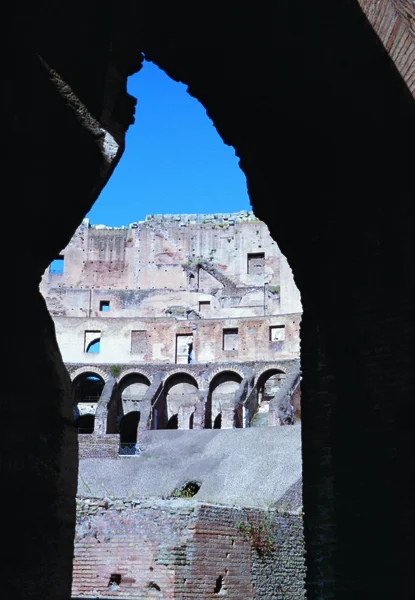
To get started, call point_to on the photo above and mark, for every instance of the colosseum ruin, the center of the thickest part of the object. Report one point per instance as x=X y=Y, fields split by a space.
x=176 y=322
x=182 y=322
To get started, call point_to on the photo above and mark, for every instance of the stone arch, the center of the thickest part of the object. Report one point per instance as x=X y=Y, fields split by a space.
x=181 y=393
x=221 y=399
x=87 y=388
x=133 y=370
x=332 y=527
x=271 y=366
x=90 y=369
x=274 y=377
x=268 y=382
x=212 y=373
x=132 y=388
x=172 y=379
x=182 y=369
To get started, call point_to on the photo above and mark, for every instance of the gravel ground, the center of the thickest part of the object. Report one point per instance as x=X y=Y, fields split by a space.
x=243 y=467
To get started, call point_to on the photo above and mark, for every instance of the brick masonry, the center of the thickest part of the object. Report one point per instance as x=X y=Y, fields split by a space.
x=394 y=22
x=91 y=446
x=181 y=549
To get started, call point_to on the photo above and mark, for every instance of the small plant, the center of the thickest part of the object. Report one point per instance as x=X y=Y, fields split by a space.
x=115 y=370
x=188 y=490
x=129 y=240
x=274 y=289
x=259 y=533
x=88 y=487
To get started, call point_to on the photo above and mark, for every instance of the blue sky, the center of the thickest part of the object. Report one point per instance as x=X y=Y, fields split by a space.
x=174 y=161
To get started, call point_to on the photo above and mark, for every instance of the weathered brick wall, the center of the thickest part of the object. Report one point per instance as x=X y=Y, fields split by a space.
x=181 y=549
x=140 y=541
x=93 y=446
x=267 y=572
x=280 y=573
x=116 y=335
x=220 y=557
x=394 y=22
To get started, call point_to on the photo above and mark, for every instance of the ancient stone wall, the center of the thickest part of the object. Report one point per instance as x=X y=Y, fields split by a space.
x=189 y=266
x=133 y=340
x=183 y=549
x=175 y=289
x=196 y=396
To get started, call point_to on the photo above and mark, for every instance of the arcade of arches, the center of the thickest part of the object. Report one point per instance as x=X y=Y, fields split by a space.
x=252 y=397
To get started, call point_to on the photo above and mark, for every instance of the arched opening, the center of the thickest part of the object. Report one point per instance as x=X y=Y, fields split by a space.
x=86 y=392
x=332 y=526
x=129 y=432
x=191 y=420
x=181 y=395
x=268 y=384
x=221 y=401
x=131 y=390
x=87 y=387
x=178 y=398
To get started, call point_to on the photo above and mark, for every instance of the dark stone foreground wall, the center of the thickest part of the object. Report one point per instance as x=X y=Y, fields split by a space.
x=324 y=128
x=185 y=549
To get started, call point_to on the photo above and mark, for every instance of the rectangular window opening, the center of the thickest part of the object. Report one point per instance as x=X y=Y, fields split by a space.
x=92 y=341
x=256 y=263
x=184 y=348
x=230 y=339
x=104 y=306
x=277 y=333
x=204 y=306
x=57 y=265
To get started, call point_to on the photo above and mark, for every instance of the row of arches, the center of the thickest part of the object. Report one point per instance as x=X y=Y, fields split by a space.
x=179 y=403
x=201 y=379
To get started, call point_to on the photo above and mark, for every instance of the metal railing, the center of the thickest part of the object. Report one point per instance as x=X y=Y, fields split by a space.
x=127 y=449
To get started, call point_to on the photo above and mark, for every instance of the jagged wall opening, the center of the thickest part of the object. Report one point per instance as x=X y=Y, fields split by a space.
x=343 y=149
